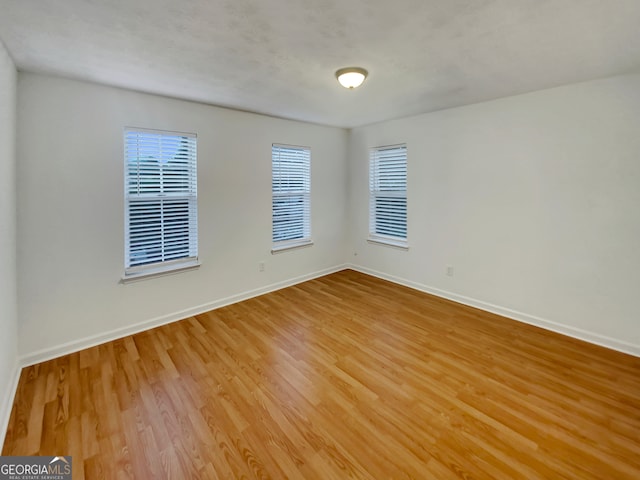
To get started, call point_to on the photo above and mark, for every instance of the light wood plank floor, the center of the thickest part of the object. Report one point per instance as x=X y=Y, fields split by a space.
x=346 y=376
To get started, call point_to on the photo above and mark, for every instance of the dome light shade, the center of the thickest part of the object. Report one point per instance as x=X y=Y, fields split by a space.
x=351 y=77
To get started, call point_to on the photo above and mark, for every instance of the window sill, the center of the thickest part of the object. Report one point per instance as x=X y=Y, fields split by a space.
x=388 y=242
x=290 y=246
x=160 y=271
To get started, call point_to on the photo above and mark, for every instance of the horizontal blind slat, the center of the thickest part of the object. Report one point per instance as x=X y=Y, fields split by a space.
x=388 y=191
x=161 y=197
x=291 y=186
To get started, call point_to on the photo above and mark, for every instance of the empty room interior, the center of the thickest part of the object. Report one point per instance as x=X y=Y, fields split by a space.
x=221 y=259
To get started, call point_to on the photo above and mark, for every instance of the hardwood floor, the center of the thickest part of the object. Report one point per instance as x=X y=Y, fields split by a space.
x=346 y=376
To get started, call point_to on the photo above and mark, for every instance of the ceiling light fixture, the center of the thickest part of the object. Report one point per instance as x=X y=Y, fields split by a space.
x=351 y=77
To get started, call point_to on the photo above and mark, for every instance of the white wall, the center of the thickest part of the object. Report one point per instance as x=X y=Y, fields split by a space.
x=534 y=200
x=8 y=295
x=70 y=210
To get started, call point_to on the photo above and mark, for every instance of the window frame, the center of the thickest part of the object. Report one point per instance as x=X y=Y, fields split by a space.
x=377 y=190
x=174 y=193
x=304 y=192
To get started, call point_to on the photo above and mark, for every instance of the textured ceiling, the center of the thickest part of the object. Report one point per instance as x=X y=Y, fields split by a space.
x=278 y=57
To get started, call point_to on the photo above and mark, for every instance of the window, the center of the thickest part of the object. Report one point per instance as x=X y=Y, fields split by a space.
x=388 y=195
x=161 y=225
x=291 y=191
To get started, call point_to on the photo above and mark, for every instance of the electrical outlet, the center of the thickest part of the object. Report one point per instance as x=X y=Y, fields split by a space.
x=449 y=271
x=261 y=266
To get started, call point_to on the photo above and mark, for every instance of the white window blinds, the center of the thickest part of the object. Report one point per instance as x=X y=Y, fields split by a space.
x=291 y=189
x=161 y=228
x=388 y=194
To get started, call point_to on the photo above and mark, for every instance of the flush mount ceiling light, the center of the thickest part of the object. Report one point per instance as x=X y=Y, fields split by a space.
x=351 y=77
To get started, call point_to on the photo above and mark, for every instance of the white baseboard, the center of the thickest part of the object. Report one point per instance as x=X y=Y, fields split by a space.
x=81 y=344
x=76 y=345
x=595 y=338
x=7 y=402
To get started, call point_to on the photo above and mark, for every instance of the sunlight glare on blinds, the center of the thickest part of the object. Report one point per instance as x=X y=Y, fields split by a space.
x=291 y=186
x=161 y=198
x=388 y=192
